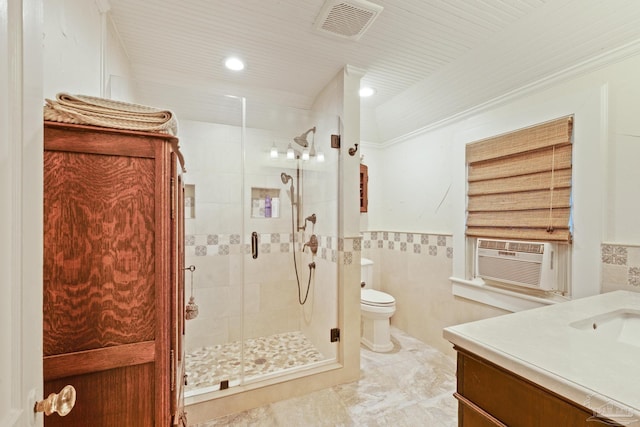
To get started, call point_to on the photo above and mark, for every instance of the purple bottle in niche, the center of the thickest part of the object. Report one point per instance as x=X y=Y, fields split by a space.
x=267 y=207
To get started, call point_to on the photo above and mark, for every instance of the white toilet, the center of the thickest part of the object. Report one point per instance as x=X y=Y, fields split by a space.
x=376 y=308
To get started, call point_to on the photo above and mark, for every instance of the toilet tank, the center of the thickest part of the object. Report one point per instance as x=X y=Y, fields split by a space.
x=366 y=272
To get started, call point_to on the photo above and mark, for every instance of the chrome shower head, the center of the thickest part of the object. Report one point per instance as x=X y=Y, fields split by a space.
x=285 y=178
x=302 y=139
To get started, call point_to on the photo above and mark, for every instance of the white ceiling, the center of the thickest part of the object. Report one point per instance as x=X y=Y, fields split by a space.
x=427 y=59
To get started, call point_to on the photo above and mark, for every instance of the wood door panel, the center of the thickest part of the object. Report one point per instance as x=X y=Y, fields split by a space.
x=101 y=359
x=87 y=139
x=113 y=274
x=117 y=397
x=99 y=251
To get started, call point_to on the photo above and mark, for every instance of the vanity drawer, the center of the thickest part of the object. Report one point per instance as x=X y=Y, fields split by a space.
x=489 y=395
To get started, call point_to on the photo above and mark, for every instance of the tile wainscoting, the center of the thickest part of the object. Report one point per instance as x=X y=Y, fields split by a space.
x=415 y=268
x=620 y=267
x=329 y=247
x=417 y=243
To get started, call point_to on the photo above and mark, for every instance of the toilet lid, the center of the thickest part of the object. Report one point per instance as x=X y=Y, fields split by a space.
x=373 y=297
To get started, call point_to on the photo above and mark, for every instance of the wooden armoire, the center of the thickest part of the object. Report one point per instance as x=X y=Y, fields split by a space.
x=113 y=302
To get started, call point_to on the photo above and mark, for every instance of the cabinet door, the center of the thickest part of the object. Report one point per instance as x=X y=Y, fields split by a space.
x=99 y=301
x=364 y=188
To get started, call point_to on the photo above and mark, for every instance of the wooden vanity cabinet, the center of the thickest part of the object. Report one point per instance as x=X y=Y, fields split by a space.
x=489 y=396
x=113 y=291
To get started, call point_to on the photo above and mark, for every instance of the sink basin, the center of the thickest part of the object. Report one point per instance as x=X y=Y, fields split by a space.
x=620 y=325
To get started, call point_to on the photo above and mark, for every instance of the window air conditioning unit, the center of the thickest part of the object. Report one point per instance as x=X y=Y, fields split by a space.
x=528 y=264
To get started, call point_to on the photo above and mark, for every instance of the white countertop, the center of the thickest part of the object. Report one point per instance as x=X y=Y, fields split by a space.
x=540 y=345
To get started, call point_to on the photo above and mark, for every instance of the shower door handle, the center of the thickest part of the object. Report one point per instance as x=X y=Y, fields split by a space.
x=254 y=245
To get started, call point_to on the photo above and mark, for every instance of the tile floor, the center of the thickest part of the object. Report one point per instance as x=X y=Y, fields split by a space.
x=409 y=386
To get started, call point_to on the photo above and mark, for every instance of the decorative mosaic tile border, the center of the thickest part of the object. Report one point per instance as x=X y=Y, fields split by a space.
x=230 y=244
x=329 y=247
x=417 y=243
x=621 y=264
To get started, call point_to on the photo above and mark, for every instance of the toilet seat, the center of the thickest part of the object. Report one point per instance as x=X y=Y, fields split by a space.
x=376 y=298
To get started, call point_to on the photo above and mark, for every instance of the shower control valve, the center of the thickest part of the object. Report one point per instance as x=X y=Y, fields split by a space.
x=312 y=244
x=311 y=218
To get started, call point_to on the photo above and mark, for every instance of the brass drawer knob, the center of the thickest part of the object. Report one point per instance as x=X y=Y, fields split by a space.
x=62 y=402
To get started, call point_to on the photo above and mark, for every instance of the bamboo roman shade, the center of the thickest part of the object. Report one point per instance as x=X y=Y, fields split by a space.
x=519 y=184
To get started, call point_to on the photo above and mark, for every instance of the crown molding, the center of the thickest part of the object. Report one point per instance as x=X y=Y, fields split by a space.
x=590 y=65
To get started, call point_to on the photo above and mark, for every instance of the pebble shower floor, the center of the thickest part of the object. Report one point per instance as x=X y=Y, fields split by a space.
x=207 y=366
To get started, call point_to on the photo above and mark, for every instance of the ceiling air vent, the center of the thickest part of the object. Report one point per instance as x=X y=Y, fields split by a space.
x=346 y=19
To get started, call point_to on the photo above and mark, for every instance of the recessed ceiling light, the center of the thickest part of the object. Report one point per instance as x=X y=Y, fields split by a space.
x=366 y=91
x=234 y=64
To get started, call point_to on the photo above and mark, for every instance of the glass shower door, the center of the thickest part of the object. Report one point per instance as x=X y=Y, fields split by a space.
x=261 y=232
x=214 y=246
x=261 y=240
x=291 y=275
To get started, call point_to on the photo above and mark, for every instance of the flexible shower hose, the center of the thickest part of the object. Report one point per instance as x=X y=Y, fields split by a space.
x=295 y=265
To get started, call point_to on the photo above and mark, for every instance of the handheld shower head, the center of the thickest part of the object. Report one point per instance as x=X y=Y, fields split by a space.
x=302 y=139
x=285 y=178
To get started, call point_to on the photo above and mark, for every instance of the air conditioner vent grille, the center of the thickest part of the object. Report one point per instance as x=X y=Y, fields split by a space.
x=531 y=248
x=509 y=270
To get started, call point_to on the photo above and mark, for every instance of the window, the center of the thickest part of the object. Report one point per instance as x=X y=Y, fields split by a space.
x=519 y=184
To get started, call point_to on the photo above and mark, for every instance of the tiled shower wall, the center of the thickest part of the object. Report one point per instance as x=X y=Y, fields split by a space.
x=238 y=296
x=270 y=291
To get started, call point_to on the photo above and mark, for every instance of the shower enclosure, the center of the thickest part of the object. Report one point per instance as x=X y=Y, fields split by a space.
x=261 y=233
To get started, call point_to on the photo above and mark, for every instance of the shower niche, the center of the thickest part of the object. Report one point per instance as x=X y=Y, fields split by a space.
x=266 y=272
x=265 y=202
